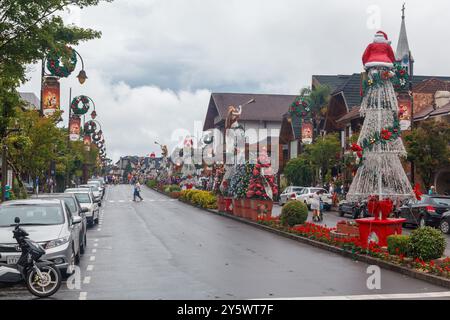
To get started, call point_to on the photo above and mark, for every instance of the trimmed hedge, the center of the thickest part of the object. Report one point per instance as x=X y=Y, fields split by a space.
x=294 y=212
x=398 y=244
x=172 y=188
x=201 y=198
x=427 y=243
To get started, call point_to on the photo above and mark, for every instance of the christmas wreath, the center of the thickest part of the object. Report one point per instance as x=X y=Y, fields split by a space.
x=68 y=65
x=85 y=105
x=90 y=127
x=301 y=108
x=96 y=137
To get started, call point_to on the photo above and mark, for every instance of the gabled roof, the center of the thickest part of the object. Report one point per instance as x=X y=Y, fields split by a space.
x=351 y=91
x=267 y=107
x=333 y=81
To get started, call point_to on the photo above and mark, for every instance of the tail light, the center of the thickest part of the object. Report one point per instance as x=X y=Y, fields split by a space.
x=293 y=196
x=430 y=209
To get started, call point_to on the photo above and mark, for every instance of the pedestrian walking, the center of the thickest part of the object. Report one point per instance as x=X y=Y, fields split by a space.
x=137 y=191
x=315 y=206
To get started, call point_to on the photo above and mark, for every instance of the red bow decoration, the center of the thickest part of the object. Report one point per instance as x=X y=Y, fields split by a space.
x=417 y=192
x=386 y=134
x=357 y=148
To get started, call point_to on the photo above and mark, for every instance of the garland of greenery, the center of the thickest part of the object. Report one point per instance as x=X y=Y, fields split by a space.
x=54 y=64
x=86 y=104
x=399 y=79
x=384 y=136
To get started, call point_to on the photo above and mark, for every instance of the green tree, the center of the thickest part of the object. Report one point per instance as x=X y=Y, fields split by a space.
x=324 y=154
x=318 y=98
x=428 y=147
x=28 y=31
x=299 y=171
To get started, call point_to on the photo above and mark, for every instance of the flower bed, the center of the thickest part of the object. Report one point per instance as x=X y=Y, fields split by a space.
x=439 y=267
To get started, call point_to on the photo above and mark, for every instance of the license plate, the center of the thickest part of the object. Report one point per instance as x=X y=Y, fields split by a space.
x=12 y=259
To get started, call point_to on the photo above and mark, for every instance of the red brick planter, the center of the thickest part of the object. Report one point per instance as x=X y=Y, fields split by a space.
x=220 y=204
x=228 y=205
x=256 y=208
x=237 y=211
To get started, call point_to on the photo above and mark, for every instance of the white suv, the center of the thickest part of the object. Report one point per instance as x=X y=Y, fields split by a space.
x=307 y=194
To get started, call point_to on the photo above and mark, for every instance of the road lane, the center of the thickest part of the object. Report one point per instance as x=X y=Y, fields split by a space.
x=164 y=249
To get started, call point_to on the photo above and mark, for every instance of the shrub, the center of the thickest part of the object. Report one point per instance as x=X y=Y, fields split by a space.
x=151 y=183
x=427 y=243
x=398 y=244
x=294 y=212
x=201 y=198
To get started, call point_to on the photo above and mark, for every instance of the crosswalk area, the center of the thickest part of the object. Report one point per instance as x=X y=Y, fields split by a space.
x=145 y=200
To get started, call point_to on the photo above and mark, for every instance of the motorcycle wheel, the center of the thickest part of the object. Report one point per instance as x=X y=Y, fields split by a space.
x=48 y=285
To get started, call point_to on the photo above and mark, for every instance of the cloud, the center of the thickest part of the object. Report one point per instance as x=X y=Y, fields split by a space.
x=158 y=60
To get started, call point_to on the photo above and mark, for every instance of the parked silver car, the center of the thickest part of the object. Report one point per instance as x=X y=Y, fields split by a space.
x=49 y=223
x=75 y=208
x=100 y=183
x=95 y=191
x=86 y=199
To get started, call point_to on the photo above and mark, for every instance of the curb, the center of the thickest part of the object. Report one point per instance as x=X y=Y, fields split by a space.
x=431 y=278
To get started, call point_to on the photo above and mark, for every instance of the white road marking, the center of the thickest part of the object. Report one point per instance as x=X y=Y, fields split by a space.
x=96 y=240
x=87 y=280
x=92 y=258
x=443 y=294
x=83 y=296
x=121 y=201
x=99 y=229
x=111 y=201
x=90 y=267
x=95 y=244
x=94 y=250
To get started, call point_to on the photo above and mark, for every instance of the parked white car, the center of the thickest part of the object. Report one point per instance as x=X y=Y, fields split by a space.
x=290 y=193
x=306 y=196
x=86 y=199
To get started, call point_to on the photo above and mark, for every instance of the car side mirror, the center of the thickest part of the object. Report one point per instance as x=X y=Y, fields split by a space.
x=76 y=220
x=84 y=210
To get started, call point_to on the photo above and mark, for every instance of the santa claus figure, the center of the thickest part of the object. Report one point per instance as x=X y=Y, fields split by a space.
x=379 y=53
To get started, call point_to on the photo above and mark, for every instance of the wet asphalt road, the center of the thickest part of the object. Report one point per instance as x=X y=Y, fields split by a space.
x=163 y=249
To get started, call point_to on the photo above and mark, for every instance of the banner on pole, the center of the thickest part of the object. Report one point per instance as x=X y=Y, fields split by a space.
x=74 y=128
x=50 y=96
x=307 y=132
x=87 y=142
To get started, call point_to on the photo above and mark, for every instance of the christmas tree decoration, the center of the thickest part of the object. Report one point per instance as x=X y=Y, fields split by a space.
x=380 y=177
x=379 y=146
x=262 y=182
x=68 y=65
x=240 y=180
x=301 y=108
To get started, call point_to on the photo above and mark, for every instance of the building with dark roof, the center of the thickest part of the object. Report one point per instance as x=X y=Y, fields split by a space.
x=265 y=113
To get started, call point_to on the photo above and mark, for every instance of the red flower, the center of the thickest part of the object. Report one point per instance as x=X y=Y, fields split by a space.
x=386 y=134
x=355 y=147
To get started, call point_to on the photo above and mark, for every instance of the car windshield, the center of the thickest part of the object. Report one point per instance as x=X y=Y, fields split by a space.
x=90 y=186
x=31 y=215
x=83 y=197
x=314 y=190
x=441 y=201
x=297 y=190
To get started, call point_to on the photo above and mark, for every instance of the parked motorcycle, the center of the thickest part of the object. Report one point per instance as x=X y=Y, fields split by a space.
x=42 y=277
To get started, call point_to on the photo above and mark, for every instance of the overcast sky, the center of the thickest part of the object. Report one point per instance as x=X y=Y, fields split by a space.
x=158 y=61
